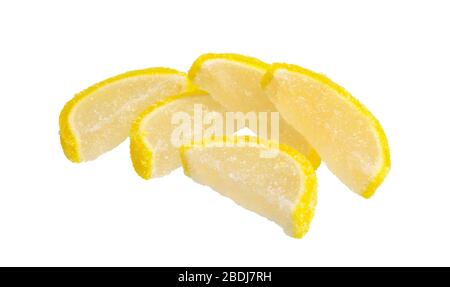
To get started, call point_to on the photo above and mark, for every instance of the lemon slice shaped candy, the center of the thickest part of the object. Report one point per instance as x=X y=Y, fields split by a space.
x=158 y=132
x=234 y=81
x=99 y=118
x=345 y=134
x=282 y=187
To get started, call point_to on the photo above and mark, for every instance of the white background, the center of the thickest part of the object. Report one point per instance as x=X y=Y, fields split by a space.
x=392 y=55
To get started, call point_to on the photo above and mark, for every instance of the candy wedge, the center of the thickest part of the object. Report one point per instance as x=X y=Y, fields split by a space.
x=234 y=81
x=99 y=118
x=158 y=132
x=345 y=134
x=282 y=188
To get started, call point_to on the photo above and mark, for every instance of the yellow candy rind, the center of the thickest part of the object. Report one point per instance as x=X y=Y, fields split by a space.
x=196 y=66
